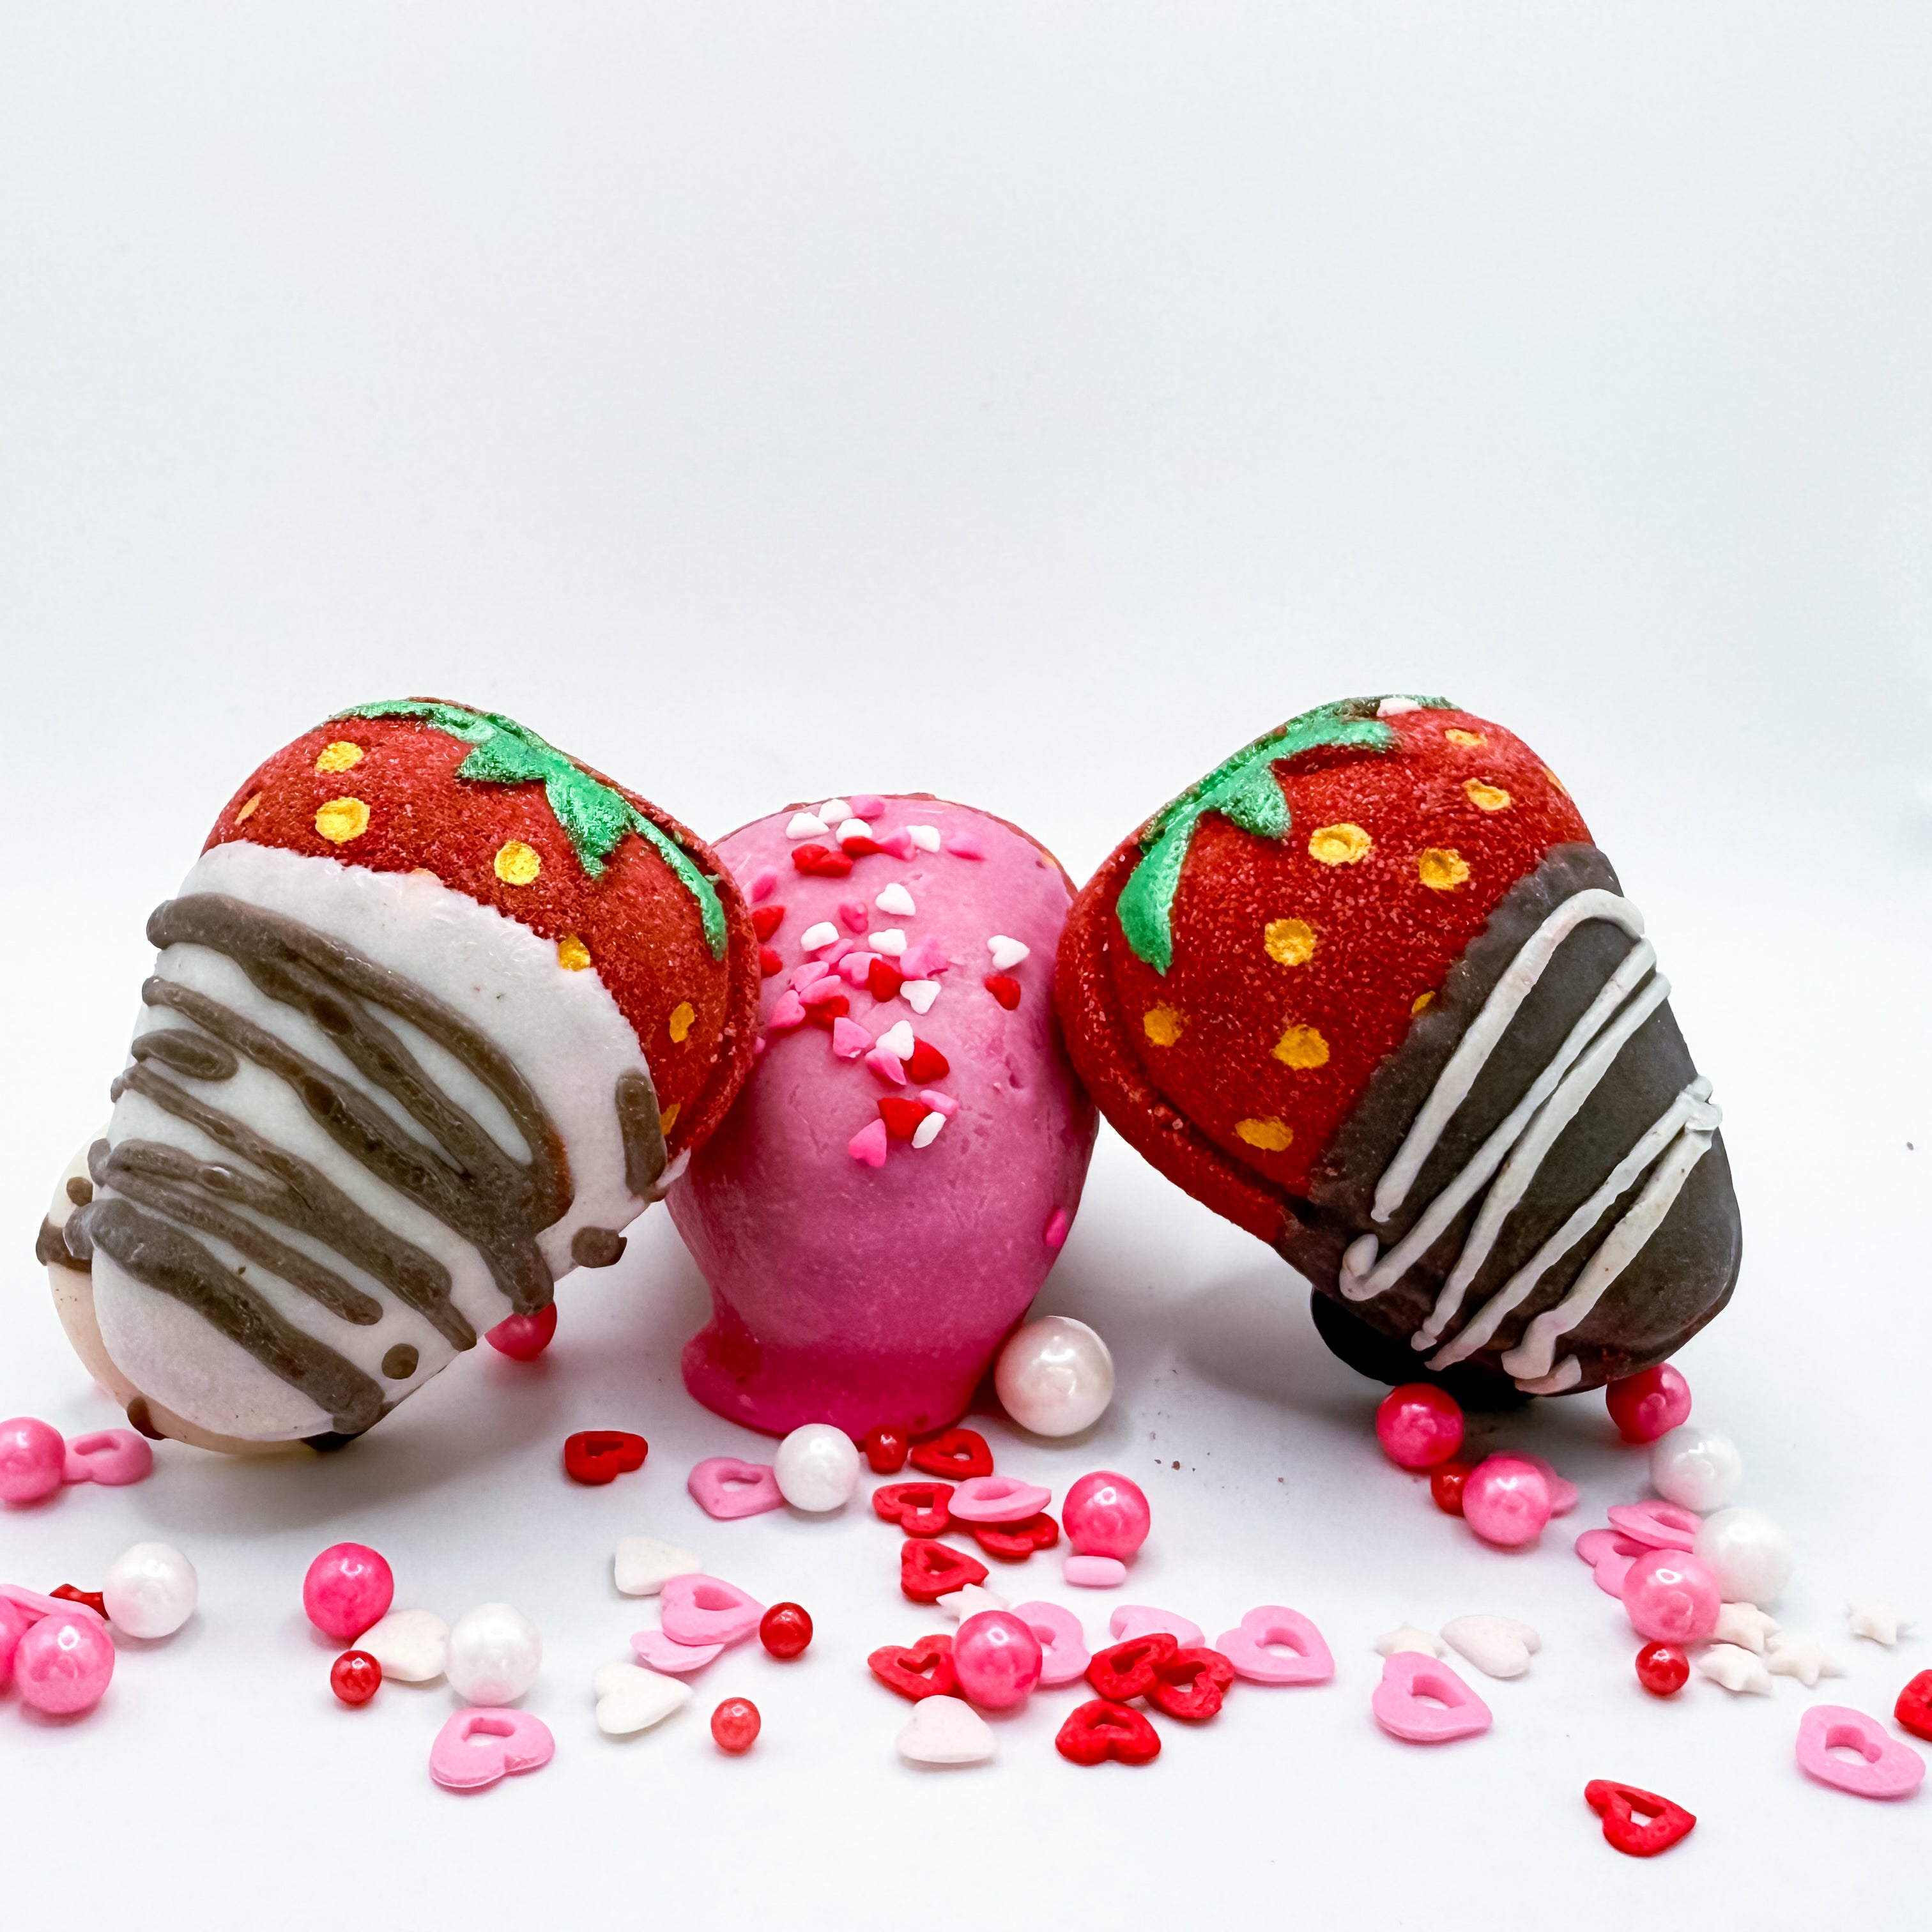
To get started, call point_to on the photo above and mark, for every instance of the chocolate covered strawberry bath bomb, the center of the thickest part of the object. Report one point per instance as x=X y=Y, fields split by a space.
x=894 y=1183
x=1369 y=990
x=437 y=1013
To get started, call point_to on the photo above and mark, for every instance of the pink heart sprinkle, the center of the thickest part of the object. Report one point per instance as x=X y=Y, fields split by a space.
x=724 y=1487
x=1251 y=1649
x=964 y=845
x=924 y=960
x=1062 y=1643
x=788 y=1013
x=852 y=914
x=699 y=1610
x=476 y=1747
x=940 y=1103
x=1408 y=1677
x=761 y=885
x=820 y=991
x=869 y=1143
x=849 y=1039
x=1132 y=1620
x=1657 y=1526
x=898 y=844
x=866 y=805
x=887 y=1066
x=809 y=974
x=109 y=1457
x=656 y=1651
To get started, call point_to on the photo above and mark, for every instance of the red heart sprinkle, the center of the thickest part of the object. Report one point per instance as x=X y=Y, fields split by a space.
x=820 y=862
x=1013 y=1540
x=1617 y=1803
x=827 y=1011
x=930 y=1570
x=919 y=1509
x=1099 y=1730
x=927 y=1064
x=916 y=1670
x=902 y=1117
x=883 y=980
x=770 y=960
x=93 y=1599
x=601 y=1455
x=1913 y=1710
x=954 y=1452
x=886 y=1449
x=1191 y=1683
x=858 y=847
x=1129 y=1670
x=766 y=919
x=1005 y=988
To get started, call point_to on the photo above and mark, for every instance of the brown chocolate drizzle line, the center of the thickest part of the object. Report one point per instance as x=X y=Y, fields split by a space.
x=596 y=1247
x=50 y=1249
x=156 y=1252
x=191 y=1053
x=642 y=1130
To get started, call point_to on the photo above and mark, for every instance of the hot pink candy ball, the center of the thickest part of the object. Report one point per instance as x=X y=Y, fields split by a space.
x=15 y=1620
x=349 y=1587
x=32 y=1457
x=64 y=1664
x=1106 y=1515
x=1419 y=1425
x=996 y=1659
x=1506 y=1501
x=1647 y=1405
x=1671 y=1597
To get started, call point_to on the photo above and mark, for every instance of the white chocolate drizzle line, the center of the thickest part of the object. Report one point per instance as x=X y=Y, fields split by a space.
x=1518 y=1145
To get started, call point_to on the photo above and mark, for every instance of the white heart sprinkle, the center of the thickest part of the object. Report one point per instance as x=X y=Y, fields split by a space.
x=946 y=1730
x=896 y=900
x=1006 y=951
x=815 y=938
x=630 y=1698
x=961 y=1604
x=892 y=942
x=920 y=994
x=898 y=1040
x=805 y=825
x=927 y=1131
x=925 y=837
x=854 y=828
x=645 y=1564
x=1406 y=1636
x=413 y=1646
x=834 y=809
x=1497 y=1646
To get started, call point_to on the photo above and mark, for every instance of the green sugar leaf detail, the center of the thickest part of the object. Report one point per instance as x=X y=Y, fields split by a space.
x=594 y=816
x=1245 y=791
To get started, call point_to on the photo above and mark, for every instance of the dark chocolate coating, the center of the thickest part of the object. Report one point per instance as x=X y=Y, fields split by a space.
x=1682 y=1275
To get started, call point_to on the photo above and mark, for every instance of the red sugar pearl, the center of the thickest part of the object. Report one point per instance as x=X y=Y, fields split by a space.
x=1419 y=1425
x=1445 y=1486
x=1650 y=1405
x=886 y=1449
x=785 y=1630
x=735 y=1724
x=1662 y=1669
x=355 y=1677
x=523 y=1337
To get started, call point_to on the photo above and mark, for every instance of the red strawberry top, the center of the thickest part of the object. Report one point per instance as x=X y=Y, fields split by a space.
x=496 y=814
x=1305 y=901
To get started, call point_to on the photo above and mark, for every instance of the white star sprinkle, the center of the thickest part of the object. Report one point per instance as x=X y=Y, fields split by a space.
x=1744 y=1624
x=1735 y=1668
x=1878 y=1621
x=1804 y=1658
x=1406 y=1636
x=961 y=1604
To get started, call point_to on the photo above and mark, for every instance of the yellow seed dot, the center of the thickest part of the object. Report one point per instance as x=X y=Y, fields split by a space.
x=1302 y=1047
x=517 y=863
x=1441 y=868
x=1338 y=844
x=1163 y=1024
x=1457 y=736
x=682 y=1015
x=342 y=819
x=1556 y=781
x=338 y=757
x=1290 y=942
x=1485 y=797
x=667 y=1119
x=1272 y=1136
x=248 y=805
x=1420 y=1003
x=571 y=953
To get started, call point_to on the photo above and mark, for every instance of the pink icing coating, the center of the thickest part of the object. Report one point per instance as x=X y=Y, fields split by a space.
x=866 y=1285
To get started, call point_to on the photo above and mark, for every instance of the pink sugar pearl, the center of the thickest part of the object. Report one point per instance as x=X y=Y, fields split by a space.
x=347 y=1590
x=1671 y=1597
x=63 y=1664
x=996 y=1659
x=15 y=1620
x=1106 y=1515
x=32 y=1457
x=1419 y=1425
x=1651 y=1404
x=1506 y=1501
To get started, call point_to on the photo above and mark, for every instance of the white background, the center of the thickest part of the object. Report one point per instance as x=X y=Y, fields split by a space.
x=1028 y=403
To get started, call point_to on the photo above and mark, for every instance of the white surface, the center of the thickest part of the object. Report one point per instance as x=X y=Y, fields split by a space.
x=1030 y=405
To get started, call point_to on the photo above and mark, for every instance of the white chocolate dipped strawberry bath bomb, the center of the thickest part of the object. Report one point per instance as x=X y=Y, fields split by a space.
x=878 y=1209
x=437 y=1013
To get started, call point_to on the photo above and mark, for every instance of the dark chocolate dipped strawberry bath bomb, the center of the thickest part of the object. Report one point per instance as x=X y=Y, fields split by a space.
x=1369 y=990
x=438 y=1012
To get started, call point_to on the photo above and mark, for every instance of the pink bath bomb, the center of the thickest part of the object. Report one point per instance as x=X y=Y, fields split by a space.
x=895 y=1180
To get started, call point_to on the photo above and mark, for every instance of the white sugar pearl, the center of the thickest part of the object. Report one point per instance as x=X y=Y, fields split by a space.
x=495 y=1654
x=151 y=1591
x=1748 y=1553
x=817 y=1468
x=1696 y=1467
x=1054 y=1376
